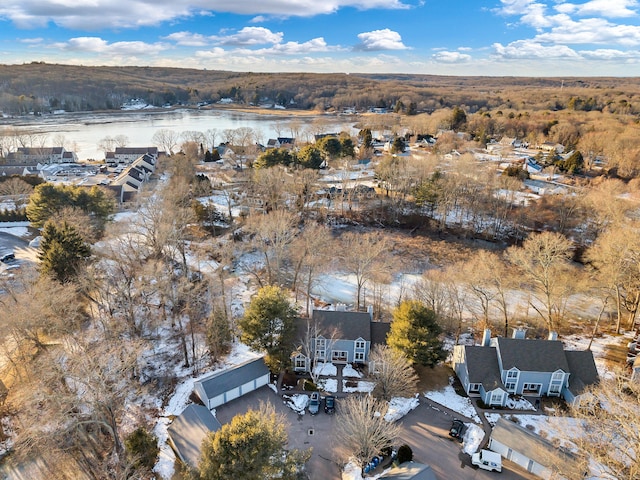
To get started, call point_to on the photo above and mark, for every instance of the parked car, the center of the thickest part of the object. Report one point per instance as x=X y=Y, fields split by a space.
x=487 y=460
x=329 y=404
x=457 y=429
x=314 y=403
x=7 y=257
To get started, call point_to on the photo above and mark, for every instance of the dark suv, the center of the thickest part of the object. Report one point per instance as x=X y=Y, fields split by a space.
x=329 y=404
x=457 y=429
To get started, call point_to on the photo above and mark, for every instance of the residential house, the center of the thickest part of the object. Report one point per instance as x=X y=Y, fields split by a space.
x=281 y=142
x=43 y=155
x=337 y=336
x=188 y=430
x=127 y=155
x=222 y=387
x=532 y=452
x=137 y=173
x=501 y=366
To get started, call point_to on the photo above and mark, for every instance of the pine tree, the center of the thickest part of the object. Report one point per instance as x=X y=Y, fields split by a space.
x=252 y=447
x=415 y=332
x=62 y=251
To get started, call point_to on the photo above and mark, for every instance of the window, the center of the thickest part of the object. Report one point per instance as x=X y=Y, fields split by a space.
x=557 y=376
x=496 y=398
x=338 y=356
x=320 y=343
x=359 y=357
x=360 y=344
x=301 y=362
x=512 y=374
x=554 y=388
x=511 y=386
x=474 y=387
x=531 y=388
x=320 y=354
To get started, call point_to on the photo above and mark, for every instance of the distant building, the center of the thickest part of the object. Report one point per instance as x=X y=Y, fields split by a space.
x=46 y=155
x=127 y=155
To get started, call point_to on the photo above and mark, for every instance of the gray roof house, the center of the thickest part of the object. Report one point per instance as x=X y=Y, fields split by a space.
x=337 y=336
x=222 y=387
x=532 y=452
x=409 y=471
x=188 y=430
x=530 y=367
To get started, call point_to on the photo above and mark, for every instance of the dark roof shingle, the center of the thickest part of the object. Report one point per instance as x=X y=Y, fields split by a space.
x=531 y=355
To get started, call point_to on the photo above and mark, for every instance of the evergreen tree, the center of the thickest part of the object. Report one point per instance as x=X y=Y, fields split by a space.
x=208 y=157
x=268 y=324
x=415 y=332
x=310 y=156
x=62 y=251
x=366 y=137
x=251 y=447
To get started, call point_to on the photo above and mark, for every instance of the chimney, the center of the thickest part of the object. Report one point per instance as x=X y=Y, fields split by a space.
x=370 y=311
x=519 y=333
x=553 y=336
x=486 y=337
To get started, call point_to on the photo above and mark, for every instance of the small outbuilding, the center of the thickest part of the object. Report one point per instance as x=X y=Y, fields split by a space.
x=222 y=387
x=188 y=431
x=409 y=471
x=532 y=452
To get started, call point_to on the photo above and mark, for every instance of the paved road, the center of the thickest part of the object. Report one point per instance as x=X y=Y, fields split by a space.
x=424 y=429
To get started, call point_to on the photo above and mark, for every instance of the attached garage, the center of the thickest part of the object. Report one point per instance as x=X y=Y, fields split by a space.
x=530 y=451
x=222 y=387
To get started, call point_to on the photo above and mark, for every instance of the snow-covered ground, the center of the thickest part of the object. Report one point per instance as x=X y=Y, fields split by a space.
x=179 y=401
x=448 y=397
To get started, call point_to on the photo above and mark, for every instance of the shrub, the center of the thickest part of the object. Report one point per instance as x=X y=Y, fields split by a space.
x=405 y=454
x=142 y=448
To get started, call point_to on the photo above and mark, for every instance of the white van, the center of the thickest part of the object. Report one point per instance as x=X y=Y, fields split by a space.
x=487 y=460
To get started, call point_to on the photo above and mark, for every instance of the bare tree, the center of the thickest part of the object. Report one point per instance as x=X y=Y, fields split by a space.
x=309 y=347
x=310 y=251
x=361 y=429
x=273 y=235
x=544 y=260
x=608 y=430
x=362 y=255
x=166 y=140
x=121 y=140
x=210 y=137
x=393 y=373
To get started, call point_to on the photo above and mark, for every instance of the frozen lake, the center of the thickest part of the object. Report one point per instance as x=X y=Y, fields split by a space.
x=82 y=132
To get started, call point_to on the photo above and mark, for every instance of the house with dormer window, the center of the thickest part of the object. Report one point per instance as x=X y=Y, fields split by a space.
x=336 y=336
x=500 y=367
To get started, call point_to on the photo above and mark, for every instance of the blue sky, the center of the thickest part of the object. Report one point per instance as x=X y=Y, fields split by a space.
x=450 y=37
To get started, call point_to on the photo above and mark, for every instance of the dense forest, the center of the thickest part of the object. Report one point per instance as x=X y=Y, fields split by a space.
x=41 y=88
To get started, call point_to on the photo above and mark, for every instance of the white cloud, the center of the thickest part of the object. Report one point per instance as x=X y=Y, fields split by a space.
x=31 y=41
x=380 y=40
x=188 y=39
x=529 y=49
x=100 y=14
x=99 y=46
x=251 y=36
x=611 y=54
x=604 y=8
x=315 y=45
x=451 y=57
x=530 y=12
x=590 y=31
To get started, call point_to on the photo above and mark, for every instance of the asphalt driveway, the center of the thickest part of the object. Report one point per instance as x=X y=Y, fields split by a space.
x=424 y=429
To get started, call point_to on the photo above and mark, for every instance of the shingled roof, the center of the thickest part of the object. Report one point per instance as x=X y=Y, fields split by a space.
x=189 y=429
x=534 y=447
x=347 y=325
x=482 y=366
x=583 y=370
x=531 y=355
x=226 y=380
